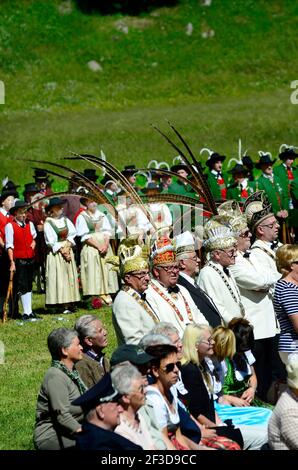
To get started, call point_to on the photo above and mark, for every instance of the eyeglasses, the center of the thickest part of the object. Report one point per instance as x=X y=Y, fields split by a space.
x=274 y=224
x=230 y=253
x=169 y=269
x=193 y=258
x=170 y=367
x=245 y=234
x=140 y=275
x=208 y=341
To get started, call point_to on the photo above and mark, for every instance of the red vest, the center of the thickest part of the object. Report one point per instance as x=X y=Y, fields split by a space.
x=3 y=221
x=22 y=239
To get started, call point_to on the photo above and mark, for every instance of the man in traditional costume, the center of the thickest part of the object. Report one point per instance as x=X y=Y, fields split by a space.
x=172 y=302
x=256 y=284
x=241 y=188
x=264 y=227
x=268 y=182
x=189 y=263
x=215 y=277
x=216 y=180
x=7 y=200
x=133 y=314
x=20 y=243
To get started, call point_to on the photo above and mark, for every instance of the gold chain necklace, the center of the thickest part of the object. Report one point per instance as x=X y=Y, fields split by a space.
x=141 y=302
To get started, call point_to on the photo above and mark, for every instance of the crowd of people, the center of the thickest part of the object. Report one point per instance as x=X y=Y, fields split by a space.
x=206 y=320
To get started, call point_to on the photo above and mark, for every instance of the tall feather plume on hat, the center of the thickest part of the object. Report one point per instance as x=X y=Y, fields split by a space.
x=240 y=155
x=194 y=167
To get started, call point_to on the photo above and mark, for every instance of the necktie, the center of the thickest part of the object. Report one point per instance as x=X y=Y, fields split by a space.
x=246 y=254
x=143 y=296
x=173 y=290
x=226 y=271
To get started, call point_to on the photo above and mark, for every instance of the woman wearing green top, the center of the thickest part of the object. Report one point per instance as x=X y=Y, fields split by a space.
x=57 y=421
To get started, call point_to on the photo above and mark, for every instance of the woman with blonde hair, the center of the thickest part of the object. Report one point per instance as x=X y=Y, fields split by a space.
x=197 y=374
x=285 y=300
x=232 y=349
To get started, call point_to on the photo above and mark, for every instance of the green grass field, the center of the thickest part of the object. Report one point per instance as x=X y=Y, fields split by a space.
x=26 y=360
x=215 y=90
x=233 y=85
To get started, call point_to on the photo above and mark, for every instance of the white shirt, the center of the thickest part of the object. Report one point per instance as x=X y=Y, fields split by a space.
x=82 y=227
x=51 y=237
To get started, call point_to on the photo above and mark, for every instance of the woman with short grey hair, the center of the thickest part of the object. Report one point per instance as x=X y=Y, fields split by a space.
x=57 y=421
x=130 y=383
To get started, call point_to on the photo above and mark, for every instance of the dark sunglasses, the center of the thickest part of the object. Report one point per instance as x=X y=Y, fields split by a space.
x=170 y=367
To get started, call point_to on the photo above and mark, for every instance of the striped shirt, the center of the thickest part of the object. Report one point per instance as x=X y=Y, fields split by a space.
x=286 y=304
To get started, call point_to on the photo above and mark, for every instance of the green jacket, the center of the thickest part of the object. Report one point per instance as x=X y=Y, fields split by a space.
x=277 y=196
x=178 y=187
x=92 y=371
x=280 y=172
x=54 y=411
x=214 y=186
x=234 y=191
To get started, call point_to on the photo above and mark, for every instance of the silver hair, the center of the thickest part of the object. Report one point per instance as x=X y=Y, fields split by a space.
x=123 y=378
x=85 y=326
x=152 y=339
x=59 y=339
x=165 y=329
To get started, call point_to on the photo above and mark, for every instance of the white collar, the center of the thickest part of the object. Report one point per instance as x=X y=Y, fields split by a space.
x=188 y=278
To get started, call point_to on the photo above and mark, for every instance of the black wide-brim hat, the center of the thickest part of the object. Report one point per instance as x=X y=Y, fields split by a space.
x=215 y=157
x=264 y=160
x=6 y=194
x=180 y=166
x=55 y=201
x=90 y=173
x=129 y=170
x=100 y=393
x=30 y=188
x=247 y=162
x=41 y=175
x=288 y=153
x=10 y=186
x=18 y=205
x=237 y=169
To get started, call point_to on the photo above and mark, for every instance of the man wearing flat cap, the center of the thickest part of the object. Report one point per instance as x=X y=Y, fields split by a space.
x=102 y=410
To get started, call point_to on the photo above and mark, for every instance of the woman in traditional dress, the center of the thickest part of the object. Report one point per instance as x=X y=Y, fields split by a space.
x=62 y=286
x=97 y=277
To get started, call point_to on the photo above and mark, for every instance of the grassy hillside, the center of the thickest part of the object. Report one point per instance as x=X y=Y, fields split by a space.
x=234 y=83
x=215 y=89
